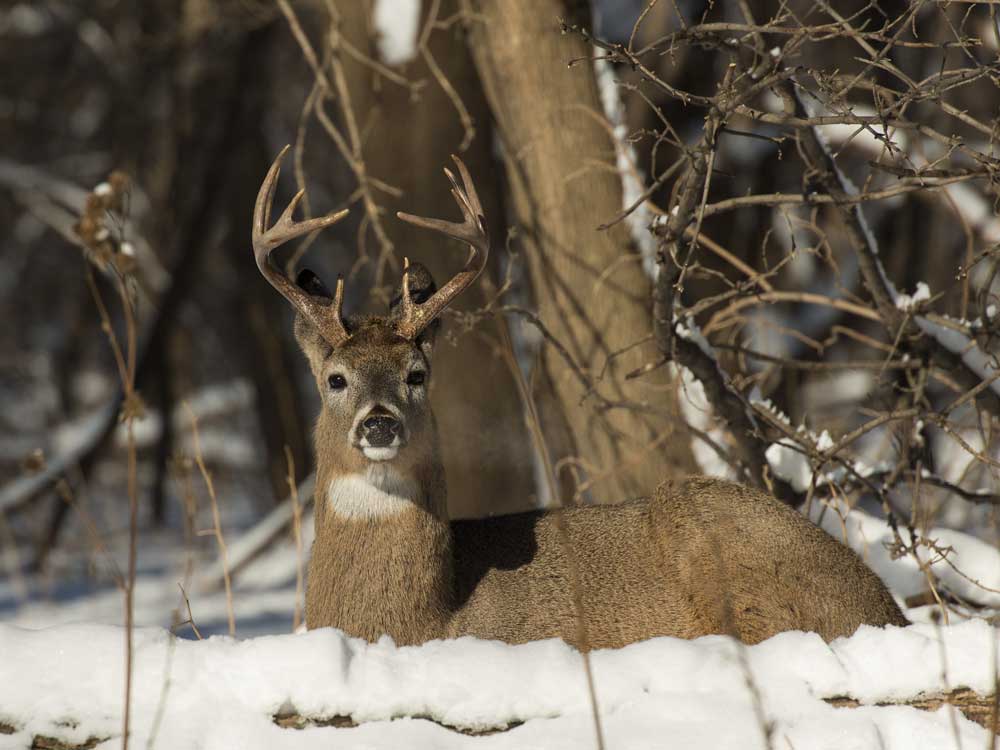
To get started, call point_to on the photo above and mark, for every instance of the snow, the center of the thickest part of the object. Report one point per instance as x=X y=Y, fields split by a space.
x=263 y=594
x=907 y=302
x=696 y=408
x=218 y=444
x=785 y=457
x=396 y=24
x=689 y=330
x=71 y=439
x=971 y=570
x=790 y=463
x=813 y=109
x=641 y=219
x=955 y=341
x=251 y=543
x=872 y=138
x=222 y=692
x=70 y=442
x=974 y=207
x=958 y=343
x=699 y=414
x=970 y=567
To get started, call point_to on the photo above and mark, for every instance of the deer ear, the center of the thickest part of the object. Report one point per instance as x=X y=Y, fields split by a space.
x=422 y=287
x=312 y=284
x=311 y=342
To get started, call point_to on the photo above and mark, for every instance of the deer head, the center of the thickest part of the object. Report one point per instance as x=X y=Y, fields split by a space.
x=372 y=372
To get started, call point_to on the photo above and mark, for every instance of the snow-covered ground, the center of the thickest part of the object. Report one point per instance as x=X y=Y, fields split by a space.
x=64 y=680
x=707 y=693
x=263 y=594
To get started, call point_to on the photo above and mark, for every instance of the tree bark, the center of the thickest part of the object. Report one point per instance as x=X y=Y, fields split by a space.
x=591 y=291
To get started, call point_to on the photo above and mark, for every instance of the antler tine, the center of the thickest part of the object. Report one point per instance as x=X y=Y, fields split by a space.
x=470 y=188
x=415 y=318
x=328 y=319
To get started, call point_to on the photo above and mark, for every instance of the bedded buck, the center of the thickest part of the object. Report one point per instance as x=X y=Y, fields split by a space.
x=700 y=556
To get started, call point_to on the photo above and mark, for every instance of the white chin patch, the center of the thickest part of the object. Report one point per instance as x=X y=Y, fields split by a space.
x=380 y=454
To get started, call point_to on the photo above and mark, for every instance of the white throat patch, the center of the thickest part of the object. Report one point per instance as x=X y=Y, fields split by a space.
x=379 y=492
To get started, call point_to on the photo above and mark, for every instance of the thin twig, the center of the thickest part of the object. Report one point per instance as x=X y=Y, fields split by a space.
x=293 y=494
x=216 y=530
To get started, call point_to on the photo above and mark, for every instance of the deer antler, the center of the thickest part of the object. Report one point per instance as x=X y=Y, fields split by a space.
x=326 y=317
x=415 y=318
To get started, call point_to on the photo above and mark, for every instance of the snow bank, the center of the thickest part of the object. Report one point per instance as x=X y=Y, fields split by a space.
x=222 y=693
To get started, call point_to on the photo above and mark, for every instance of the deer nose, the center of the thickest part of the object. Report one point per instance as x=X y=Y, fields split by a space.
x=379 y=430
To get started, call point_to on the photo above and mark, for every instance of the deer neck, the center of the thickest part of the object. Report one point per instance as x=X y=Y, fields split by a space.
x=382 y=559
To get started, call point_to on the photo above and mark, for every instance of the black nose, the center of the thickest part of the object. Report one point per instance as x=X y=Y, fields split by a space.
x=379 y=430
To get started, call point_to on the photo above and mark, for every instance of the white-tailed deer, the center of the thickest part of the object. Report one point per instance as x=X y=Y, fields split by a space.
x=700 y=556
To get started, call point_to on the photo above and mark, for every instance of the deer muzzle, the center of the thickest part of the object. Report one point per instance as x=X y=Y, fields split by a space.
x=380 y=435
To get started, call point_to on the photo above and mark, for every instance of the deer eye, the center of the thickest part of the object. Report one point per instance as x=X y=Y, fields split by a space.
x=337 y=382
x=417 y=377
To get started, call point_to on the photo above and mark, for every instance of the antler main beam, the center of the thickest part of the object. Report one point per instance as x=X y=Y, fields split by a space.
x=416 y=317
x=327 y=318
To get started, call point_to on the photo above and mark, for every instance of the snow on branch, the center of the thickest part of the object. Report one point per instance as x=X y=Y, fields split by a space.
x=693 y=352
x=955 y=351
x=636 y=209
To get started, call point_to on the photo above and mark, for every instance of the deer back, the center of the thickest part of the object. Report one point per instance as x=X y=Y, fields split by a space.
x=702 y=556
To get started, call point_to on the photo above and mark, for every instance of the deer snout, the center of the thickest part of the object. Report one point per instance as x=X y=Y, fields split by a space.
x=380 y=430
x=380 y=435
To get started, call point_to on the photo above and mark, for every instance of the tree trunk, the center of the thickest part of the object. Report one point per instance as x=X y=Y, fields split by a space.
x=485 y=444
x=591 y=291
